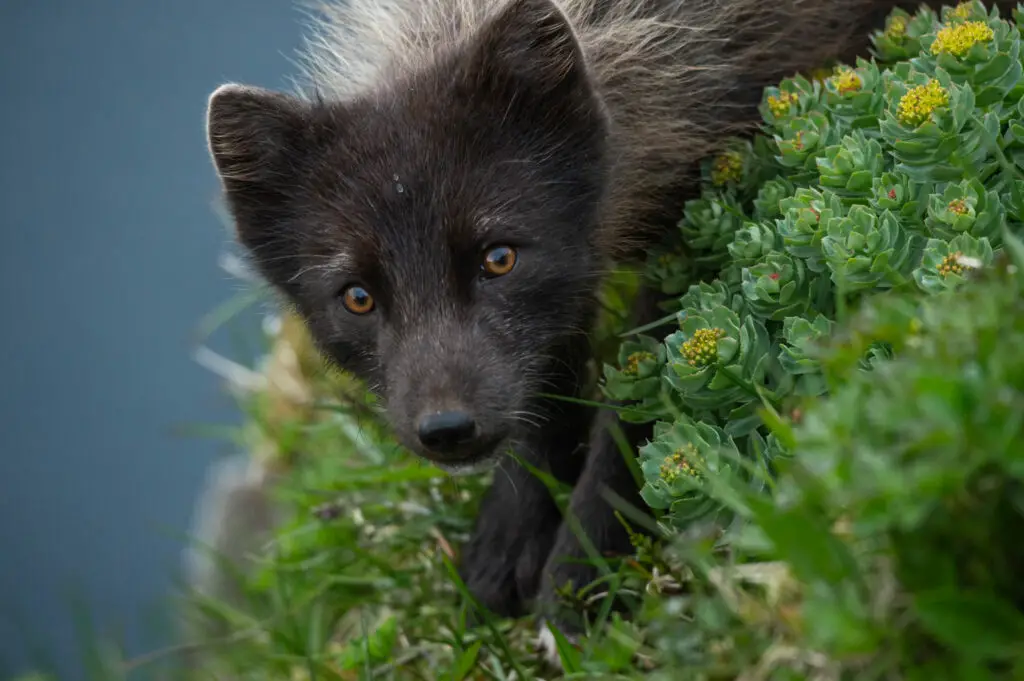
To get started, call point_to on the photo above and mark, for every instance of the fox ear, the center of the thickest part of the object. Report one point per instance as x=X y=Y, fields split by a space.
x=527 y=64
x=533 y=42
x=251 y=133
x=257 y=139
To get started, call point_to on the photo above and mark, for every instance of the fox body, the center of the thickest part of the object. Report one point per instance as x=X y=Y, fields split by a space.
x=443 y=196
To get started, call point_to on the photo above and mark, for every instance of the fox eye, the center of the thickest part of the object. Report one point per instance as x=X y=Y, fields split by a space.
x=498 y=261
x=357 y=300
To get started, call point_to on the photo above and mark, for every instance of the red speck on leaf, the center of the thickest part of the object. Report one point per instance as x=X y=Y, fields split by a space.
x=774 y=276
x=892 y=194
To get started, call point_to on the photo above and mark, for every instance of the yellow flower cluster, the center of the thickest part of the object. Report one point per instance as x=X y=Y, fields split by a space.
x=633 y=362
x=958 y=206
x=779 y=106
x=678 y=463
x=897 y=28
x=958 y=39
x=951 y=264
x=702 y=348
x=728 y=167
x=961 y=11
x=846 y=81
x=918 y=104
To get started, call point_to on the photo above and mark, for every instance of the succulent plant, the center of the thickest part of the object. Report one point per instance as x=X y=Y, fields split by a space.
x=638 y=380
x=855 y=96
x=849 y=168
x=946 y=264
x=779 y=286
x=799 y=140
x=902 y=196
x=801 y=227
x=672 y=274
x=767 y=203
x=966 y=208
x=932 y=128
x=715 y=357
x=708 y=296
x=753 y=242
x=900 y=172
x=976 y=50
x=801 y=336
x=791 y=98
x=677 y=460
x=709 y=225
x=865 y=249
x=901 y=37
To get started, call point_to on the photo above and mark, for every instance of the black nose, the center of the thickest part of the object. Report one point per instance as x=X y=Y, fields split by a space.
x=446 y=430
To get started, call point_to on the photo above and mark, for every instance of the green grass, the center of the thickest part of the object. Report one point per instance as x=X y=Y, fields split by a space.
x=888 y=548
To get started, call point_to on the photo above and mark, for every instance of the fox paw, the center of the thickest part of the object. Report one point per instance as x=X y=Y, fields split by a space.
x=502 y=566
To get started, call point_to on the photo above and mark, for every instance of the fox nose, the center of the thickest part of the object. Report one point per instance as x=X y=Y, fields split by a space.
x=446 y=430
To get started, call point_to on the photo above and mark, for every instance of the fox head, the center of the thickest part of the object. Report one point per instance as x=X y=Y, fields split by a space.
x=439 y=235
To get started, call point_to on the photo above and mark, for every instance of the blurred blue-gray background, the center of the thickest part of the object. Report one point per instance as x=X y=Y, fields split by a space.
x=109 y=261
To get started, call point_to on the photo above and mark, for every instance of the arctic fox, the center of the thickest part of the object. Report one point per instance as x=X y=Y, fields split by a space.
x=441 y=202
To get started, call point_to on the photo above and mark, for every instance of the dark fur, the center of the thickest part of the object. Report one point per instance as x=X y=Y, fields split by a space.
x=504 y=135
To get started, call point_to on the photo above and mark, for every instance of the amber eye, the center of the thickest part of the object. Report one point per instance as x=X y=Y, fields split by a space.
x=498 y=261
x=357 y=300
